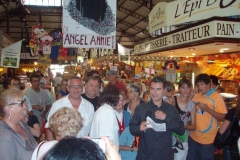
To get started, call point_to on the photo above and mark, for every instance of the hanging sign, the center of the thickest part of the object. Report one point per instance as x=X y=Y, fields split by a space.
x=11 y=55
x=183 y=11
x=225 y=29
x=89 y=24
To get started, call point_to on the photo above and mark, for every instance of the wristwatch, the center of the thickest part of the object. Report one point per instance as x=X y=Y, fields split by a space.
x=132 y=149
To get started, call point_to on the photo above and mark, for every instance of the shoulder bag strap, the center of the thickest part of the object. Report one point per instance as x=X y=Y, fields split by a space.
x=39 y=148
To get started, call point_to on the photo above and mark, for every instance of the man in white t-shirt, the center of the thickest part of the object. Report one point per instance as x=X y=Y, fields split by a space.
x=74 y=99
x=57 y=80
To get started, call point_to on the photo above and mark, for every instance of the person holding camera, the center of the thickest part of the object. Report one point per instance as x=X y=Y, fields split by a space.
x=104 y=121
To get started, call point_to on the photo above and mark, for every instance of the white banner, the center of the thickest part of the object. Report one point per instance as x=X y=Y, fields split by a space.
x=157 y=17
x=123 y=53
x=11 y=55
x=89 y=24
x=183 y=11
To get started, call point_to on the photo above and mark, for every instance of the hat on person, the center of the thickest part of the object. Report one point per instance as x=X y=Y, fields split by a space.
x=112 y=72
x=137 y=76
x=42 y=81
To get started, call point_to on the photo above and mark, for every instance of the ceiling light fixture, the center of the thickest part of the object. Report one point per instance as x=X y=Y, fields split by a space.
x=221 y=51
x=193 y=54
x=192 y=49
x=224 y=49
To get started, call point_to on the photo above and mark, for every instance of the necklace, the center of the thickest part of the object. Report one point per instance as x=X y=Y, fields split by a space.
x=184 y=101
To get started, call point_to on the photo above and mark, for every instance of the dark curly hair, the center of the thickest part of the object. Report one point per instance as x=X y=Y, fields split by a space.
x=110 y=95
x=205 y=78
x=214 y=79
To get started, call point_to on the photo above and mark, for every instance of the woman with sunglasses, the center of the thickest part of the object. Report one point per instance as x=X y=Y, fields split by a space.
x=16 y=140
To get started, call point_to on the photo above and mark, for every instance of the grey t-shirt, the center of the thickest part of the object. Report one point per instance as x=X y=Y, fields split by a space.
x=37 y=98
x=13 y=146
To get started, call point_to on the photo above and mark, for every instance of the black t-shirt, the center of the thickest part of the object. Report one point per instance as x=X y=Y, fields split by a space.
x=235 y=130
x=94 y=101
x=230 y=115
x=32 y=119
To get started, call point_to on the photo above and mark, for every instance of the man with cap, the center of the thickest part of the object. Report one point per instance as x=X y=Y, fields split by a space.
x=137 y=78
x=112 y=78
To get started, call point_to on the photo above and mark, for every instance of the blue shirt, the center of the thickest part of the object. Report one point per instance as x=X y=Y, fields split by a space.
x=126 y=139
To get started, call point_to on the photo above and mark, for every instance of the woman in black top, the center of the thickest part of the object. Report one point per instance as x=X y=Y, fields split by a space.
x=230 y=151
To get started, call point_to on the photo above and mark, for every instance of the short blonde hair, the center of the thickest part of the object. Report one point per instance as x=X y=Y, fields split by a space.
x=66 y=122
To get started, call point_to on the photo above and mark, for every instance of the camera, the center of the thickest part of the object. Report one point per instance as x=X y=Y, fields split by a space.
x=100 y=142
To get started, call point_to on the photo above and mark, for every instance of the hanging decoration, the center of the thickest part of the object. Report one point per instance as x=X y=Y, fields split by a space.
x=149 y=70
x=170 y=68
x=41 y=42
x=56 y=46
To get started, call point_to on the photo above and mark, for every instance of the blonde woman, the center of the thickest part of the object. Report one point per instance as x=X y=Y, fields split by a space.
x=65 y=122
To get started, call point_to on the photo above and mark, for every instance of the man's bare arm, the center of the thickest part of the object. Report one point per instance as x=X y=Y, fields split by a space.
x=49 y=135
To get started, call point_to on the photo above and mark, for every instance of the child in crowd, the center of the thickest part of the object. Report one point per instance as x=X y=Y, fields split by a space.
x=123 y=117
x=169 y=93
x=128 y=145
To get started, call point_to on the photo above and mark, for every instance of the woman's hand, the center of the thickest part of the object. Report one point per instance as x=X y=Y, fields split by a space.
x=111 y=150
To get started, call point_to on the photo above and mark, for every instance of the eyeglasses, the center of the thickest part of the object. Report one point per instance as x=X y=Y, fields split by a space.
x=15 y=84
x=21 y=102
x=75 y=87
x=130 y=91
x=36 y=81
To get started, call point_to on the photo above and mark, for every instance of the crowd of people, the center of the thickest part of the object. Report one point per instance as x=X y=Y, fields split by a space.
x=168 y=125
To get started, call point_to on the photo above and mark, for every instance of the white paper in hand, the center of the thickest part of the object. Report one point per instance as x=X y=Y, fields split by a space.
x=159 y=127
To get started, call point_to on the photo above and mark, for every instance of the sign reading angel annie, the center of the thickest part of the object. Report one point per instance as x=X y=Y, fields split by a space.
x=89 y=24
x=170 y=68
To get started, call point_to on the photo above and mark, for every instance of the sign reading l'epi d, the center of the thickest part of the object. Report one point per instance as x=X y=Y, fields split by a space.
x=217 y=28
x=182 y=11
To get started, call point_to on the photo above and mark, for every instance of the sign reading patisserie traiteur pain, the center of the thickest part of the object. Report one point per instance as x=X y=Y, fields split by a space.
x=216 y=28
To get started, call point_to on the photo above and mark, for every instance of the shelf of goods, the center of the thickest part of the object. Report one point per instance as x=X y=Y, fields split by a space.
x=225 y=69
